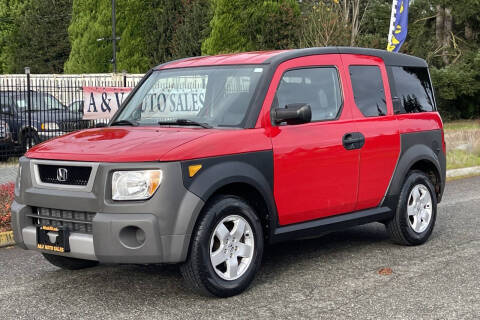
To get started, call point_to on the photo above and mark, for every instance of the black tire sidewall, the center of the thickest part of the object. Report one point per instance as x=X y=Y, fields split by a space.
x=30 y=137
x=221 y=208
x=415 y=178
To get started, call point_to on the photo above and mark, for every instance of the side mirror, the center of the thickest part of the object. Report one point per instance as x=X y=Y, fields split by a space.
x=295 y=113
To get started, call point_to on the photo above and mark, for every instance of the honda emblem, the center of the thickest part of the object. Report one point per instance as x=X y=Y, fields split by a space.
x=62 y=174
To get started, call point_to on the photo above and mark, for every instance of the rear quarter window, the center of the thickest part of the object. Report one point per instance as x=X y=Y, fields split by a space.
x=413 y=89
x=368 y=90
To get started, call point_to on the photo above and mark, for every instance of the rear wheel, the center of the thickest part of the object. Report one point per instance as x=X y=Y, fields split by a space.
x=416 y=211
x=69 y=263
x=226 y=249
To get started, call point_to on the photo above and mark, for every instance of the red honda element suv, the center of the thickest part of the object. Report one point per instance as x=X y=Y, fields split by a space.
x=211 y=158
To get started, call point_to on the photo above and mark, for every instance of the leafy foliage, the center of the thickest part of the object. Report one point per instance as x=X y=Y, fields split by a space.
x=6 y=198
x=34 y=33
x=246 y=25
x=91 y=20
x=191 y=29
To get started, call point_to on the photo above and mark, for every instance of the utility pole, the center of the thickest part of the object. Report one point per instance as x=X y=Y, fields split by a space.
x=114 y=37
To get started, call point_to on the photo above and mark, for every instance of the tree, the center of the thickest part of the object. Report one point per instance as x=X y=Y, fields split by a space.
x=9 y=11
x=192 y=28
x=334 y=22
x=151 y=32
x=158 y=31
x=91 y=20
x=139 y=22
x=324 y=26
x=247 y=25
x=34 y=33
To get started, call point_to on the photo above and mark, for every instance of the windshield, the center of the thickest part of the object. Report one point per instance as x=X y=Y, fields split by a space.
x=217 y=96
x=40 y=102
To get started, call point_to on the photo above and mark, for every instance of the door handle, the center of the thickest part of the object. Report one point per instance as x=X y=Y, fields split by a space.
x=353 y=140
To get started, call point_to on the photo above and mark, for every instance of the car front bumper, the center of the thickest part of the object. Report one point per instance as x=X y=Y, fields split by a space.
x=165 y=221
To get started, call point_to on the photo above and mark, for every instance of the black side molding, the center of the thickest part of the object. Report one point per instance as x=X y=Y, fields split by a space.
x=330 y=224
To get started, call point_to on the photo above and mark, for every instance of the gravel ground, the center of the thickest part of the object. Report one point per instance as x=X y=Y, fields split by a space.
x=8 y=173
x=332 y=277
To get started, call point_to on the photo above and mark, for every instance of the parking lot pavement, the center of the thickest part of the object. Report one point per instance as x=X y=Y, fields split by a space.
x=332 y=277
x=8 y=174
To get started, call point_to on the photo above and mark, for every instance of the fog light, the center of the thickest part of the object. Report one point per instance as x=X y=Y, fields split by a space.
x=132 y=237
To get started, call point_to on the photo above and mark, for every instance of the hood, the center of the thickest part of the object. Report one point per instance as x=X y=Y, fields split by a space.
x=116 y=144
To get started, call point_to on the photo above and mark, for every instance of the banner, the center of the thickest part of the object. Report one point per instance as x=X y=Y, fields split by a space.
x=102 y=102
x=398 y=25
x=175 y=98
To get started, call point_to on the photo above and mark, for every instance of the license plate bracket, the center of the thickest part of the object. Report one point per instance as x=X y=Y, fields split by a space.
x=54 y=239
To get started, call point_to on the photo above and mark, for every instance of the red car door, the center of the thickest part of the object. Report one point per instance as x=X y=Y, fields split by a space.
x=315 y=176
x=372 y=110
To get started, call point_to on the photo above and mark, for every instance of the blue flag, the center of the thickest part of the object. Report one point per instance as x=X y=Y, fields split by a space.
x=398 y=25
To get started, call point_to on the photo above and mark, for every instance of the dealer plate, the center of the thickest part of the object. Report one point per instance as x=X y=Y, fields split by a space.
x=53 y=239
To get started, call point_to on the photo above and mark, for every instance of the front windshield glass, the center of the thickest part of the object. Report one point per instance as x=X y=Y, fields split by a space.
x=217 y=96
x=39 y=102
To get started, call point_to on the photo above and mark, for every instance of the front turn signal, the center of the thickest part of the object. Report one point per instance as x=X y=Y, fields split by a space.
x=193 y=169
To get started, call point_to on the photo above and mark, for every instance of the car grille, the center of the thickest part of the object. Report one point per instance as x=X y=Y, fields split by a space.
x=75 y=175
x=69 y=126
x=75 y=221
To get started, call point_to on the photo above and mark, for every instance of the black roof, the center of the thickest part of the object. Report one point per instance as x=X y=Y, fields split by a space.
x=389 y=58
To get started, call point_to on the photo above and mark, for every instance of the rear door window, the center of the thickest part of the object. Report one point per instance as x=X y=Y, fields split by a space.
x=368 y=90
x=414 y=90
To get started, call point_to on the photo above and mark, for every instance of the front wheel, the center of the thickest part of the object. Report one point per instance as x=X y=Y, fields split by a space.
x=226 y=249
x=416 y=211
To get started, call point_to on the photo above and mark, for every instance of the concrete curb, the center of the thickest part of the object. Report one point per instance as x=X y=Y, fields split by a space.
x=463 y=172
x=6 y=239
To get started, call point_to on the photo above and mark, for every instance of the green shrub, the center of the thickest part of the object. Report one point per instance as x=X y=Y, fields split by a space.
x=6 y=198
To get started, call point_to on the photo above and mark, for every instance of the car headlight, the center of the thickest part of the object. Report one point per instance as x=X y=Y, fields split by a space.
x=49 y=126
x=4 y=129
x=135 y=185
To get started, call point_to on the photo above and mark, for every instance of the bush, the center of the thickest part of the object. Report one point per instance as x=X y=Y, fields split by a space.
x=6 y=198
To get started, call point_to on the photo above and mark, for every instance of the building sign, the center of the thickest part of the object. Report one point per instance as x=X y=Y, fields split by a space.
x=102 y=102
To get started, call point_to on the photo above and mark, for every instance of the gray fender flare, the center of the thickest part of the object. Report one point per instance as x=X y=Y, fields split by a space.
x=407 y=159
x=220 y=174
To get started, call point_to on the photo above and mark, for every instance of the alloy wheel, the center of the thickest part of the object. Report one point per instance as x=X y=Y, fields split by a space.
x=419 y=208
x=232 y=246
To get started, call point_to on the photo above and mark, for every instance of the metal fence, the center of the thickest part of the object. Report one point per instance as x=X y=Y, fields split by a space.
x=35 y=108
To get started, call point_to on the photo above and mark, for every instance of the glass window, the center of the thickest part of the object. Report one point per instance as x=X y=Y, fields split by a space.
x=317 y=87
x=368 y=90
x=218 y=96
x=39 y=101
x=413 y=89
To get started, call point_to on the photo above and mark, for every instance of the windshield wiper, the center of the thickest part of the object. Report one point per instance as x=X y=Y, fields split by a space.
x=124 y=123
x=186 y=122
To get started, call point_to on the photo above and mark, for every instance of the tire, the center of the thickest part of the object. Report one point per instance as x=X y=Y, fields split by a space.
x=69 y=263
x=30 y=138
x=412 y=223
x=201 y=275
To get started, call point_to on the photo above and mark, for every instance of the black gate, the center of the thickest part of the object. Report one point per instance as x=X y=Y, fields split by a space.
x=35 y=108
